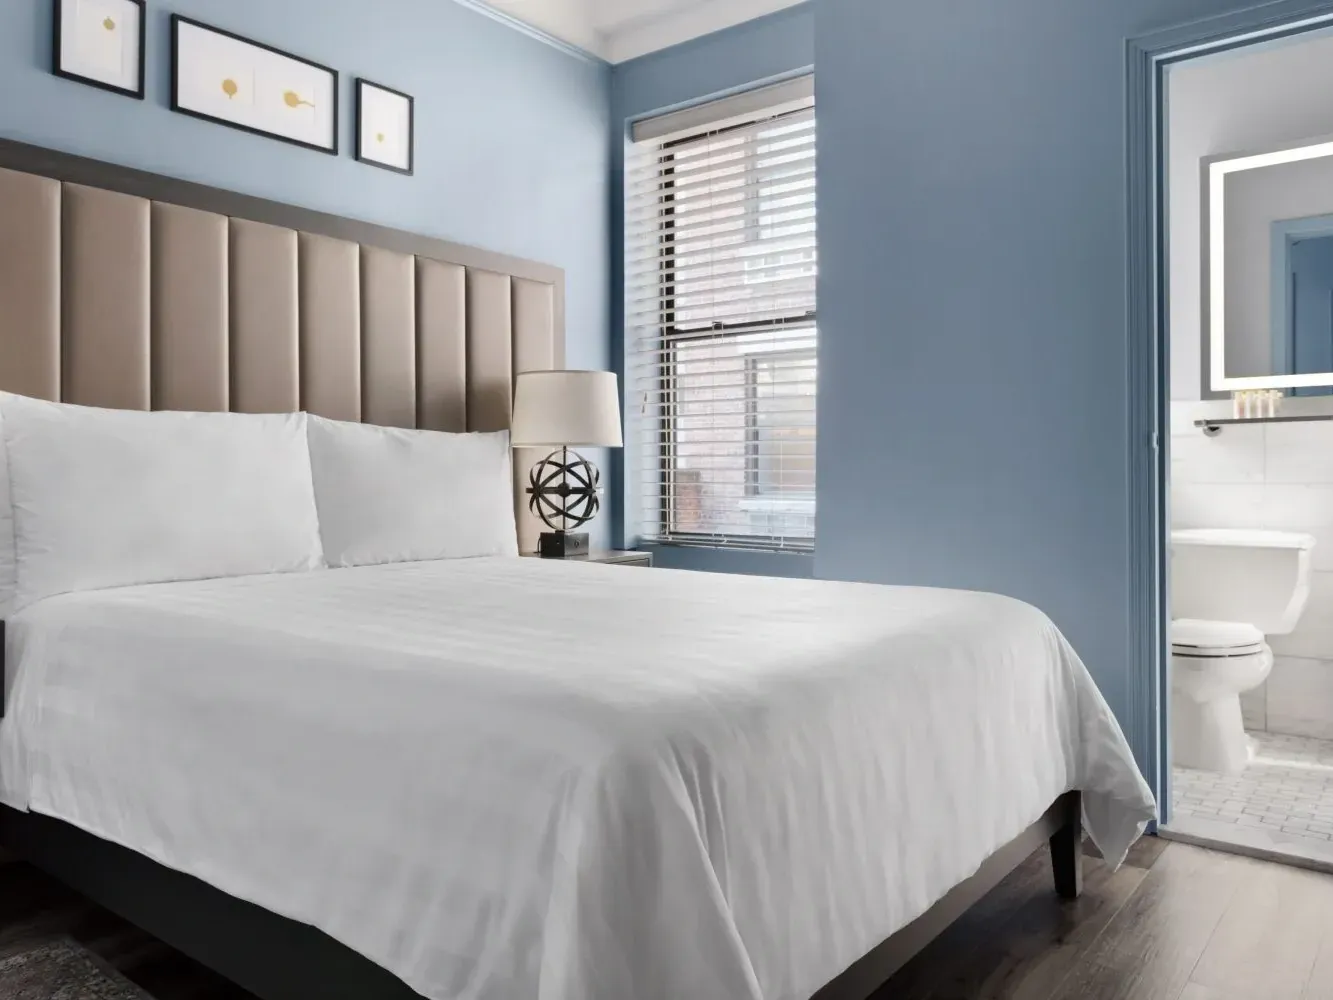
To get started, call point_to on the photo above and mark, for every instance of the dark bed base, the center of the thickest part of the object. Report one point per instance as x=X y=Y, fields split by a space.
x=280 y=959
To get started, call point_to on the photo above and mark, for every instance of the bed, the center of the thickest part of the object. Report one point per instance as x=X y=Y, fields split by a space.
x=489 y=777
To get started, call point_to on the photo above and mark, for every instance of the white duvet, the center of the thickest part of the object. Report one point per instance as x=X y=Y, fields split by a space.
x=510 y=779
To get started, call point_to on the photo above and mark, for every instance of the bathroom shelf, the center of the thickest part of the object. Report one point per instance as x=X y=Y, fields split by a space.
x=1214 y=426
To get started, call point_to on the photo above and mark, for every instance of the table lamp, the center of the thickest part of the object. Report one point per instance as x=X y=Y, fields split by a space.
x=563 y=410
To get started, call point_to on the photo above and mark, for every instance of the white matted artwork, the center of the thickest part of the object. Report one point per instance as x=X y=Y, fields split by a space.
x=101 y=43
x=385 y=127
x=230 y=80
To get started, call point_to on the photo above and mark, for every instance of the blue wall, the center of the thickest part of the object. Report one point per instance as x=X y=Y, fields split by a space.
x=512 y=134
x=973 y=403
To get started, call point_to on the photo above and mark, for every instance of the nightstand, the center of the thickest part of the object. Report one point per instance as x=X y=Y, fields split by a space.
x=608 y=556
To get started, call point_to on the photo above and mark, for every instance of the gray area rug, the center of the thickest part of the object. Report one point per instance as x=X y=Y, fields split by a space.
x=61 y=970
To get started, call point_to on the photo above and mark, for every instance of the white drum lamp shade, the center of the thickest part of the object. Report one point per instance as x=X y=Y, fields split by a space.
x=566 y=409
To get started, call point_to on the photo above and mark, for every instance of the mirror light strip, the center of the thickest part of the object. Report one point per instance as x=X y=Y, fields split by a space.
x=1217 y=172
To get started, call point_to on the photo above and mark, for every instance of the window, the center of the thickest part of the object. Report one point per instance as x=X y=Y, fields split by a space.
x=721 y=268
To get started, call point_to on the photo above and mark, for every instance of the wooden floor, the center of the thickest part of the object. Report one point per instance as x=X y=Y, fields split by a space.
x=34 y=907
x=1176 y=923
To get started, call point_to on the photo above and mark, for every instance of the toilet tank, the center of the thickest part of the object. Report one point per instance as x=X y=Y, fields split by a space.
x=1227 y=575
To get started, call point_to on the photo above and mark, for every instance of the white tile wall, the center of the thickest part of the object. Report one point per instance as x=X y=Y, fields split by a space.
x=1234 y=456
x=1215 y=505
x=1306 y=508
x=1269 y=476
x=1313 y=638
x=1298 y=453
x=1299 y=697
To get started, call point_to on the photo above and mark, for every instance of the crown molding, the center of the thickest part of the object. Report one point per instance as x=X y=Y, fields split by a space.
x=569 y=48
x=654 y=32
x=650 y=32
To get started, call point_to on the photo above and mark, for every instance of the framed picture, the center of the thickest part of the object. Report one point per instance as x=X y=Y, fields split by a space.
x=230 y=80
x=101 y=43
x=385 y=127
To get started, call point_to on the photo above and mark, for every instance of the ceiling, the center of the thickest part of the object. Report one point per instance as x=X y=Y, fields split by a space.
x=618 y=30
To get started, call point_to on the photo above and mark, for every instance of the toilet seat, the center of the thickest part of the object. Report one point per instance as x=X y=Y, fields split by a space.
x=1207 y=640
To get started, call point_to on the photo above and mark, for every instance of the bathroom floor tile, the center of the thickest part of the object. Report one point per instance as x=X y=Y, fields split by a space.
x=1285 y=797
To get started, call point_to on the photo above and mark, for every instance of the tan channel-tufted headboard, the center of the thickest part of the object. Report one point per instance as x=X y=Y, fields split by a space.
x=124 y=289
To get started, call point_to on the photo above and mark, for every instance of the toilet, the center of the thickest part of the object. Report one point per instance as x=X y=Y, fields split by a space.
x=1230 y=589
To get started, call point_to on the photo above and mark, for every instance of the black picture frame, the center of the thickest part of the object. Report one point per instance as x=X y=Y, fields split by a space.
x=177 y=20
x=57 y=69
x=360 y=85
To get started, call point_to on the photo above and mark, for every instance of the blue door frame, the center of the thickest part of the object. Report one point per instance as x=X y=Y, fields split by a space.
x=1148 y=58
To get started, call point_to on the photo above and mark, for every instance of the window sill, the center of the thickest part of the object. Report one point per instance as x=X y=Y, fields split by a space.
x=732 y=559
x=712 y=546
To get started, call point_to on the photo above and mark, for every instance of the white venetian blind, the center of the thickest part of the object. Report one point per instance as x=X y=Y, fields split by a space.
x=721 y=266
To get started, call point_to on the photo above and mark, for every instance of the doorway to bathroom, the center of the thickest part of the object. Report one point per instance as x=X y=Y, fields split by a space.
x=1245 y=303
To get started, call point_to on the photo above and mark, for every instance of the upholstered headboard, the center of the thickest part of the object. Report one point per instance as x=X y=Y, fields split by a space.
x=124 y=289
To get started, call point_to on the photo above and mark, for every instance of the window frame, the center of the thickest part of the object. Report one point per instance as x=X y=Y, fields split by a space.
x=670 y=338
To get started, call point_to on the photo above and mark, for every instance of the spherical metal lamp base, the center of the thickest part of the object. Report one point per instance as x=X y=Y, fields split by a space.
x=564 y=490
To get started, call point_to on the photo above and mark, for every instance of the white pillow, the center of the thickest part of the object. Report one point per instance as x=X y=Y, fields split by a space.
x=108 y=498
x=391 y=495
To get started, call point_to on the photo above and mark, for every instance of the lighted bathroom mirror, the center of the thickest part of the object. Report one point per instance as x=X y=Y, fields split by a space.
x=1269 y=249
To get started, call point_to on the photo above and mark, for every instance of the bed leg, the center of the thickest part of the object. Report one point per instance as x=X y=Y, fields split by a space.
x=1067 y=850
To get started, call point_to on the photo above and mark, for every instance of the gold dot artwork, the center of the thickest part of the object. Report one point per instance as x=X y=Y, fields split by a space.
x=109 y=24
x=379 y=136
x=291 y=98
